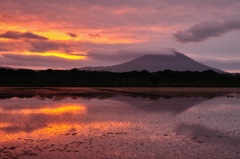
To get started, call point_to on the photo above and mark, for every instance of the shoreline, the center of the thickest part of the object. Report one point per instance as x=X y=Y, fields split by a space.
x=104 y=92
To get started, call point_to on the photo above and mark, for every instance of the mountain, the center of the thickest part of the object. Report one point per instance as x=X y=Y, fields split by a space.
x=5 y=67
x=153 y=63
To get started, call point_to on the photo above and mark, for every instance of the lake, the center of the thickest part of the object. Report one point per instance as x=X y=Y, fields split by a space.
x=121 y=126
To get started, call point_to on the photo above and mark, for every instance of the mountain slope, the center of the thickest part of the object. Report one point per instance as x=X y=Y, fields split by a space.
x=153 y=63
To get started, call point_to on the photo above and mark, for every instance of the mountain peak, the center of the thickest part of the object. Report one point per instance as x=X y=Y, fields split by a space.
x=157 y=62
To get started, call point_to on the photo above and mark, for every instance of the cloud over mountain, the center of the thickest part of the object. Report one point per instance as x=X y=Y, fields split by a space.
x=204 y=30
x=157 y=62
x=128 y=53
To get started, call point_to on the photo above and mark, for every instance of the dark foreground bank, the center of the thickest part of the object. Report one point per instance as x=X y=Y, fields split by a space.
x=74 y=77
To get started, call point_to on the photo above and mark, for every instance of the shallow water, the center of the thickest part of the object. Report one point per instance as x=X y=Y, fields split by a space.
x=120 y=127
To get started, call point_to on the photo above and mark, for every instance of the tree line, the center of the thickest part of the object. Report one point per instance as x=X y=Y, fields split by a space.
x=81 y=78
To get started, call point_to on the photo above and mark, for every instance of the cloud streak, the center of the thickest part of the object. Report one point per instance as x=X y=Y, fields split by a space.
x=39 y=62
x=19 y=35
x=229 y=65
x=205 y=30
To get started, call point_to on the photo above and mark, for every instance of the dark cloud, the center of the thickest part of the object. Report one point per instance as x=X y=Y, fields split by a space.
x=19 y=35
x=72 y=35
x=204 y=30
x=44 y=46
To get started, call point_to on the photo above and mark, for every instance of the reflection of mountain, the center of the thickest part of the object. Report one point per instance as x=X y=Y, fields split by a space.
x=104 y=93
x=153 y=63
x=200 y=133
x=175 y=105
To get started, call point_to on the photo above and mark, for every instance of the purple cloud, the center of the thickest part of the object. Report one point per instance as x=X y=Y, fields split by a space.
x=205 y=30
x=19 y=35
x=44 y=46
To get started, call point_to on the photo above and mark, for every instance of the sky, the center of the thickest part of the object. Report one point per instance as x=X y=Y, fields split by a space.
x=65 y=34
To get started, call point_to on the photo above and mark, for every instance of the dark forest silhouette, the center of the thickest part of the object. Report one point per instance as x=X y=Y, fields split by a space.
x=75 y=77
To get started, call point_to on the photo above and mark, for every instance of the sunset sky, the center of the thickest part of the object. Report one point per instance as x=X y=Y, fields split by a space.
x=65 y=34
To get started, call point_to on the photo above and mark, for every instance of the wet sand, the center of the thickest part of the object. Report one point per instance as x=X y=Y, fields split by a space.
x=121 y=123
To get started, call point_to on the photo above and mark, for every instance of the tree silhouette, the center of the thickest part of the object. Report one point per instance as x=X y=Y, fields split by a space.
x=154 y=78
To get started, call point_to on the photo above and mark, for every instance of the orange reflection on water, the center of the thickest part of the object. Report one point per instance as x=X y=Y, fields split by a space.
x=74 y=109
x=66 y=108
x=18 y=124
x=56 y=130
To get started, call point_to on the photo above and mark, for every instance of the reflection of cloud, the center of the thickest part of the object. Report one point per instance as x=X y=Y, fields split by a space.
x=37 y=117
x=204 y=30
x=16 y=129
x=74 y=109
x=67 y=108
x=19 y=35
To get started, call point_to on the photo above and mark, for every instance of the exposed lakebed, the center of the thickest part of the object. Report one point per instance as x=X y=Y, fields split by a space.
x=119 y=124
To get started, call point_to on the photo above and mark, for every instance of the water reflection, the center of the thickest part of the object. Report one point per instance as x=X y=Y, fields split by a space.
x=68 y=108
x=174 y=105
x=200 y=133
x=119 y=127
